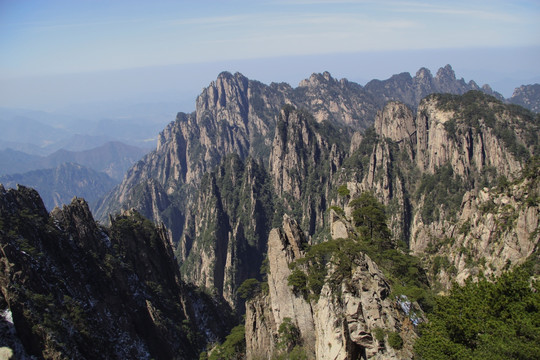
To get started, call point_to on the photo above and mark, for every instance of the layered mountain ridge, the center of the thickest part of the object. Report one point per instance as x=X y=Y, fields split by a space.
x=327 y=213
x=311 y=139
x=73 y=289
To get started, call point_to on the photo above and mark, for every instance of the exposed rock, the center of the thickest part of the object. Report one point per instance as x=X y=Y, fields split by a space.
x=341 y=324
x=345 y=325
x=527 y=96
x=76 y=290
x=464 y=147
x=303 y=163
x=496 y=229
x=237 y=115
x=340 y=102
x=227 y=228
x=410 y=90
x=260 y=328
x=285 y=246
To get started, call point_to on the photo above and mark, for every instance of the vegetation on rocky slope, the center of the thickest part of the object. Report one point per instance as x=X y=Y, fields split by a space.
x=497 y=319
x=421 y=199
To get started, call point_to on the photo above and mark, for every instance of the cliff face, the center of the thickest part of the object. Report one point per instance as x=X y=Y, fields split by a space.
x=304 y=161
x=527 y=96
x=431 y=169
x=306 y=154
x=73 y=289
x=227 y=228
x=237 y=115
x=337 y=101
x=339 y=324
x=497 y=228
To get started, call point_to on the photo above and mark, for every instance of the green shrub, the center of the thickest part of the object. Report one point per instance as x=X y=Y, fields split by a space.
x=288 y=335
x=234 y=346
x=395 y=341
x=379 y=334
x=249 y=288
x=484 y=320
x=343 y=191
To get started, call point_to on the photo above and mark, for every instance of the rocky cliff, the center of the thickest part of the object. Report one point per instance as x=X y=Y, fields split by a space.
x=305 y=158
x=237 y=115
x=451 y=169
x=305 y=150
x=498 y=228
x=227 y=228
x=411 y=90
x=72 y=289
x=351 y=319
x=527 y=96
x=430 y=170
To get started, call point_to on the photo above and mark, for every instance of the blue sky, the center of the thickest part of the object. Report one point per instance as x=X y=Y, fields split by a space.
x=47 y=40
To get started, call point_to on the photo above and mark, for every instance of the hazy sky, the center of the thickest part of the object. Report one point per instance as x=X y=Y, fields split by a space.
x=67 y=50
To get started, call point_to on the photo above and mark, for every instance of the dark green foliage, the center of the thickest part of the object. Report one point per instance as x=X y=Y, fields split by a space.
x=403 y=270
x=297 y=353
x=485 y=320
x=369 y=217
x=343 y=191
x=395 y=341
x=288 y=335
x=440 y=262
x=451 y=128
x=299 y=282
x=359 y=160
x=249 y=288
x=234 y=347
x=338 y=210
x=313 y=144
x=379 y=334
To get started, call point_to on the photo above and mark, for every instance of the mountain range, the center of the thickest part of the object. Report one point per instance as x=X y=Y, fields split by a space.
x=333 y=218
x=113 y=158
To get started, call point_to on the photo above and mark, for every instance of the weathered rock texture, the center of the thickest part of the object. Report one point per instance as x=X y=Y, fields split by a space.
x=237 y=115
x=340 y=324
x=302 y=156
x=227 y=228
x=430 y=170
x=497 y=228
x=304 y=160
x=527 y=96
x=73 y=289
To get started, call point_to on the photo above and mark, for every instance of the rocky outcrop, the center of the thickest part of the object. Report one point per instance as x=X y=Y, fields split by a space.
x=227 y=228
x=284 y=246
x=266 y=313
x=346 y=325
x=341 y=324
x=304 y=161
x=448 y=137
x=527 y=96
x=497 y=228
x=411 y=90
x=237 y=115
x=459 y=144
x=337 y=101
x=74 y=289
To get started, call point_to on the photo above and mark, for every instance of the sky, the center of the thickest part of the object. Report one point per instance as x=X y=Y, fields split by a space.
x=58 y=53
